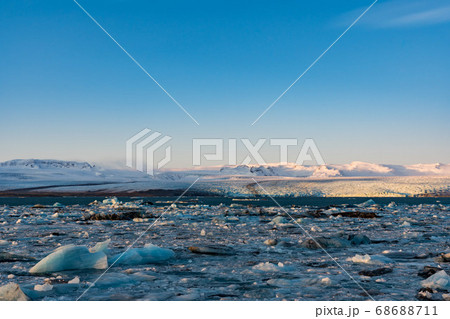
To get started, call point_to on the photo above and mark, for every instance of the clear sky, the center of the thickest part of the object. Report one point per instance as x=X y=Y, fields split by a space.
x=381 y=94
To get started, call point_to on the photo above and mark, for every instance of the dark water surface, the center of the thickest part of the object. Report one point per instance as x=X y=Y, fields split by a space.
x=265 y=201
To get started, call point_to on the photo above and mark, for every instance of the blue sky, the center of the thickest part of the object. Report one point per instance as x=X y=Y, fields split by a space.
x=379 y=95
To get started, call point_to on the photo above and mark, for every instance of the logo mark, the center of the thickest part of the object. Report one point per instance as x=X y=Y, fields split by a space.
x=141 y=148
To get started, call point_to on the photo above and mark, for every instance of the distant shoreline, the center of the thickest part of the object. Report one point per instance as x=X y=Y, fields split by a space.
x=178 y=192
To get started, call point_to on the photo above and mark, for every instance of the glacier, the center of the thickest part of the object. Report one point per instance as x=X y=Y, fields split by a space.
x=357 y=179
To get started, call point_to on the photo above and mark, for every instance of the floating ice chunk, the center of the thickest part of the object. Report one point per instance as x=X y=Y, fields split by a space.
x=142 y=276
x=134 y=204
x=444 y=257
x=319 y=281
x=12 y=292
x=372 y=260
x=331 y=211
x=73 y=257
x=101 y=246
x=271 y=242
x=279 y=220
x=359 y=239
x=44 y=287
x=3 y=242
x=439 y=280
x=110 y=201
x=325 y=242
x=280 y=282
x=57 y=205
x=75 y=280
x=115 y=280
x=148 y=255
x=367 y=203
x=325 y=281
x=405 y=224
x=267 y=266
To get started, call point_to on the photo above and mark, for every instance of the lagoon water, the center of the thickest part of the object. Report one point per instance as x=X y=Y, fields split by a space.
x=212 y=248
x=259 y=201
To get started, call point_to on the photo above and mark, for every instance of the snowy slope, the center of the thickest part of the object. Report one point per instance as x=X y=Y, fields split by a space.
x=75 y=176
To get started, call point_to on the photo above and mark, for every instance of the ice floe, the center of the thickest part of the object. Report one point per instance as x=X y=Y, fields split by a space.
x=147 y=255
x=371 y=259
x=270 y=267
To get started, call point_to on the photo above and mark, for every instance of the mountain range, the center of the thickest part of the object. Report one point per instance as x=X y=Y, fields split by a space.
x=46 y=177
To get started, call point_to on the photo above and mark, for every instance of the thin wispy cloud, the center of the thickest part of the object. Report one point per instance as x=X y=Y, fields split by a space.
x=405 y=13
x=432 y=16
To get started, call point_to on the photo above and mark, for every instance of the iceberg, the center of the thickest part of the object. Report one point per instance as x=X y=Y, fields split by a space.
x=439 y=280
x=12 y=292
x=149 y=254
x=73 y=257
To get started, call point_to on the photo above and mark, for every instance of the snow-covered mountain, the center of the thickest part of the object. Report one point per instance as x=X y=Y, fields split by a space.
x=354 y=179
x=354 y=169
x=45 y=164
x=35 y=173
